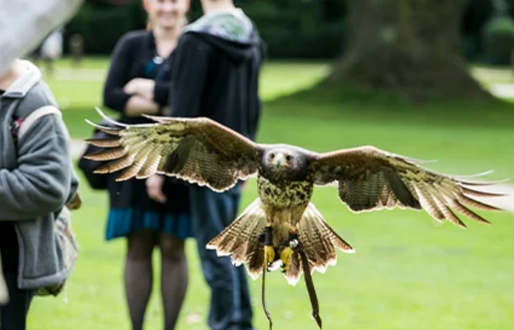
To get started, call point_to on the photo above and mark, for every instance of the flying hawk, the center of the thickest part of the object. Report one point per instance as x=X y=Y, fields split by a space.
x=268 y=231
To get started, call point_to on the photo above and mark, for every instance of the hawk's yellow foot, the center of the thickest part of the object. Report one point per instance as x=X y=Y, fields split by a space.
x=269 y=255
x=285 y=256
x=287 y=252
x=269 y=249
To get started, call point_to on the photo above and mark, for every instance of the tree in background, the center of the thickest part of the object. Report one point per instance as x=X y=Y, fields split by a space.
x=102 y=22
x=409 y=46
x=476 y=15
x=290 y=28
x=498 y=35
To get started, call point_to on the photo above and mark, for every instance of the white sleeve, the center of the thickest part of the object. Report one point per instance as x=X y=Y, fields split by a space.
x=25 y=24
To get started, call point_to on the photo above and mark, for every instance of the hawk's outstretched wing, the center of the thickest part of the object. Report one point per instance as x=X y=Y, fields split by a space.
x=373 y=179
x=198 y=150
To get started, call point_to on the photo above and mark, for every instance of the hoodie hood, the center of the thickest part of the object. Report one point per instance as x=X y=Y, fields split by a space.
x=230 y=31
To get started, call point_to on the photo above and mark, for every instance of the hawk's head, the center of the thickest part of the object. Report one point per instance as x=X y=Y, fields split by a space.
x=286 y=162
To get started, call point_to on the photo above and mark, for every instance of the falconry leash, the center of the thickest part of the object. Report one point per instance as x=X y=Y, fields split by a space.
x=308 y=283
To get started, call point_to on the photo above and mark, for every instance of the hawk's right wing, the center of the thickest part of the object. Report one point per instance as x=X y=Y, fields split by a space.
x=372 y=179
x=198 y=150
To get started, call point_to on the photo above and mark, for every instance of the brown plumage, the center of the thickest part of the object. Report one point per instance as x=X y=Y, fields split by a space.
x=196 y=151
x=204 y=152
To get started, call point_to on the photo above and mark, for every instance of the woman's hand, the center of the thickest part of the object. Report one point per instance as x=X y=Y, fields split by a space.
x=154 y=188
x=140 y=86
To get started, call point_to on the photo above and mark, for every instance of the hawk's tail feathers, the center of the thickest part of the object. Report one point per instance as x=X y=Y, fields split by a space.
x=319 y=243
x=241 y=239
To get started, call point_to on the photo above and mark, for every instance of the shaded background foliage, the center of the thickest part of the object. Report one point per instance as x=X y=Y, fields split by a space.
x=302 y=29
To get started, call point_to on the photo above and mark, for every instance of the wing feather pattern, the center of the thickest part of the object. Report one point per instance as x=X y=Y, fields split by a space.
x=197 y=150
x=372 y=179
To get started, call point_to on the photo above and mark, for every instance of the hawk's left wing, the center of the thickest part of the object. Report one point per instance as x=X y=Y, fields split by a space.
x=198 y=150
x=372 y=179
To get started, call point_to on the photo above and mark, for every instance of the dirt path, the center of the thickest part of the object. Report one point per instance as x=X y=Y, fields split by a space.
x=503 y=90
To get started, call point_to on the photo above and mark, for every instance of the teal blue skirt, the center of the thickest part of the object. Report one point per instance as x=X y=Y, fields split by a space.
x=123 y=222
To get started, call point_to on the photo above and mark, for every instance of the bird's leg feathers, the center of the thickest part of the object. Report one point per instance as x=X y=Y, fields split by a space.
x=269 y=249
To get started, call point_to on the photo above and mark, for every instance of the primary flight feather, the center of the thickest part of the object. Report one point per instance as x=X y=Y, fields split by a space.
x=207 y=153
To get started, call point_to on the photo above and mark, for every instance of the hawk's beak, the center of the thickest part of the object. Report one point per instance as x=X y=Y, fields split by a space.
x=280 y=161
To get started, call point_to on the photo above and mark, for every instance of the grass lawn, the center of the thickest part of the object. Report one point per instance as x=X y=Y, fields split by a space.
x=409 y=272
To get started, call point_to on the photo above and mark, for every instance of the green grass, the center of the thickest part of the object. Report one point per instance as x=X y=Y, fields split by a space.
x=408 y=273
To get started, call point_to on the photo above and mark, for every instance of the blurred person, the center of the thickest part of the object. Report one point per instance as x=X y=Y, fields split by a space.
x=146 y=213
x=36 y=181
x=50 y=50
x=25 y=23
x=215 y=73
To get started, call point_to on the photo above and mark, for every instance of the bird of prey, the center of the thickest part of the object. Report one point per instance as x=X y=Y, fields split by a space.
x=268 y=232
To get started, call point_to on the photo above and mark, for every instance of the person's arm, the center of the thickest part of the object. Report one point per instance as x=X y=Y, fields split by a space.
x=189 y=72
x=156 y=90
x=138 y=105
x=41 y=182
x=141 y=86
x=148 y=94
x=115 y=96
x=154 y=188
x=26 y=23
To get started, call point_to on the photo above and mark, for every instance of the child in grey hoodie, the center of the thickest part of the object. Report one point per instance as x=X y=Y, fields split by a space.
x=36 y=180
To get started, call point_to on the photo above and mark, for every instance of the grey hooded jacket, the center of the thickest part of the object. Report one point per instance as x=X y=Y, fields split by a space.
x=36 y=179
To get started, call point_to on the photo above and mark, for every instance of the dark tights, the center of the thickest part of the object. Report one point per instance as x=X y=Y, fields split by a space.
x=139 y=276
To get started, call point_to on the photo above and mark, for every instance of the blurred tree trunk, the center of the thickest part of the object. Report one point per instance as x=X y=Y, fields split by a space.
x=410 y=46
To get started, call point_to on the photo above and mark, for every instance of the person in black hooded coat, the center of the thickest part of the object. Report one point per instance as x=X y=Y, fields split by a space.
x=215 y=74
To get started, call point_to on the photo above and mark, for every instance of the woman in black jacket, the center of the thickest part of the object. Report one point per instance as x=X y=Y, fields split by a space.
x=148 y=215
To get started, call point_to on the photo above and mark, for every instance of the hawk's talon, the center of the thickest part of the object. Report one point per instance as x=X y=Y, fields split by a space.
x=269 y=249
x=285 y=256
x=269 y=256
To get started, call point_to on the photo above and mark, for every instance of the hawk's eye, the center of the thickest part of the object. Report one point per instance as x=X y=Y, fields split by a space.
x=288 y=158
x=272 y=156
